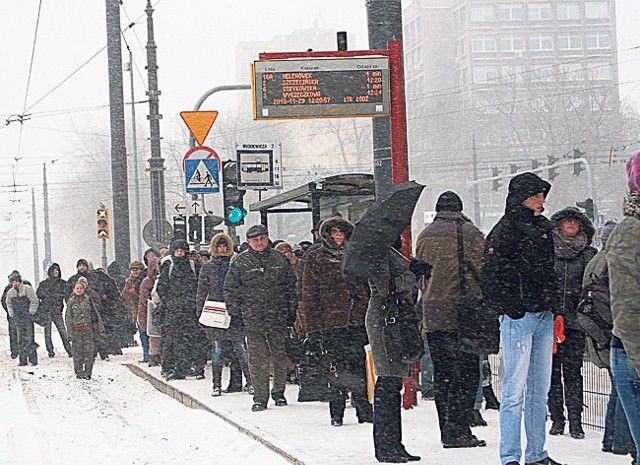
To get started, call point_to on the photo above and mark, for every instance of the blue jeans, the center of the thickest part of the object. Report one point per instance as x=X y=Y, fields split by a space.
x=426 y=370
x=238 y=348
x=628 y=386
x=144 y=342
x=527 y=346
x=617 y=436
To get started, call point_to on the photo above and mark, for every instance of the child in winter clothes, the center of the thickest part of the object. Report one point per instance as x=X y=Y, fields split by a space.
x=81 y=317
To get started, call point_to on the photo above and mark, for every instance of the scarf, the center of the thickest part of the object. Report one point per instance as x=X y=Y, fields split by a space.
x=631 y=205
x=568 y=248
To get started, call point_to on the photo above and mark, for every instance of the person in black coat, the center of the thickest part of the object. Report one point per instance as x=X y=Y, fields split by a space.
x=519 y=281
x=13 y=329
x=51 y=293
x=572 y=236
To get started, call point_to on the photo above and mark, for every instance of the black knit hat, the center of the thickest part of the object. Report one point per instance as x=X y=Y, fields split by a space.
x=15 y=276
x=179 y=244
x=82 y=261
x=449 y=201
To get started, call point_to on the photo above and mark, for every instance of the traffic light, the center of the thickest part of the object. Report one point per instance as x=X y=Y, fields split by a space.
x=514 y=168
x=210 y=223
x=553 y=172
x=179 y=227
x=589 y=208
x=497 y=184
x=234 y=211
x=534 y=164
x=577 y=167
x=194 y=230
x=102 y=223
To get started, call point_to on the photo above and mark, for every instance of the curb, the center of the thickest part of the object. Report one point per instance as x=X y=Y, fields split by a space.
x=191 y=402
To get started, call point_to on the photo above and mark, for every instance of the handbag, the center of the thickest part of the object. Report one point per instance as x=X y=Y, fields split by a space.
x=478 y=325
x=42 y=317
x=400 y=335
x=215 y=315
x=312 y=374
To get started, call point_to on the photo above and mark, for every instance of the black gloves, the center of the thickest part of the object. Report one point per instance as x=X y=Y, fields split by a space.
x=420 y=268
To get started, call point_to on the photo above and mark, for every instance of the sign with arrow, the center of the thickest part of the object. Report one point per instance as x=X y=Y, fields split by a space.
x=180 y=207
x=202 y=176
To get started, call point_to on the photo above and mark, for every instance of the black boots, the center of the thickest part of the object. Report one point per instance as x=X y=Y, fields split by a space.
x=476 y=419
x=557 y=428
x=491 y=402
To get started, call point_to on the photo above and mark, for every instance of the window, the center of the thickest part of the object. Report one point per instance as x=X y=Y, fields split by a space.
x=598 y=40
x=512 y=44
x=596 y=10
x=568 y=11
x=569 y=42
x=538 y=43
x=461 y=48
x=572 y=72
x=539 y=11
x=542 y=73
x=480 y=13
x=513 y=73
x=511 y=12
x=483 y=44
x=599 y=71
x=484 y=74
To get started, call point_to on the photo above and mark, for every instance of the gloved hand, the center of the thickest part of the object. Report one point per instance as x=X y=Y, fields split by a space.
x=558 y=332
x=420 y=268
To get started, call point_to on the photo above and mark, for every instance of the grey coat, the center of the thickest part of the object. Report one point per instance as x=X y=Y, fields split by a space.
x=405 y=282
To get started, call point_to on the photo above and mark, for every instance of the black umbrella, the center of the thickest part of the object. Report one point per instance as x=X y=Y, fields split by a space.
x=379 y=228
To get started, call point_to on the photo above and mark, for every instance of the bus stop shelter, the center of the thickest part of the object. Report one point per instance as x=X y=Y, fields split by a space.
x=349 y=194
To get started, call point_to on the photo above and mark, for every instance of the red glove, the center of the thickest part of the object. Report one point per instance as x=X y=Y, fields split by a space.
x=410 y=396
x=558 y=332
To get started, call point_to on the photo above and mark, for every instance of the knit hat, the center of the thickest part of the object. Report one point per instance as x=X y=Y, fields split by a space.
x=257 y=230
x=449 y=202
x=284 y=247
x=82 y=261
x=15 y=276
x=83 y=281
x=179 y=244
x=136 y=264
x=633 y=173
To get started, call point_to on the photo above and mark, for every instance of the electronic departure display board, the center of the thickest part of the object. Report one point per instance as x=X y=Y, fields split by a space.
x=321 y=87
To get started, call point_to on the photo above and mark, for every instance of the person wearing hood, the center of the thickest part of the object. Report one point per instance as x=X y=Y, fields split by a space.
x=51 y=293
x=623 y=262
x=519 y=281
x=259 y=290
x=146 y=323
x=177 y=286
x=329 y=315
x=456 y=377
x=211 y=287
x=22 y=304
x=11 y=323
x=572 y=236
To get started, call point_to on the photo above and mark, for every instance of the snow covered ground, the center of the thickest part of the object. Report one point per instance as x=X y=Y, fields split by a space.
x=118 y=418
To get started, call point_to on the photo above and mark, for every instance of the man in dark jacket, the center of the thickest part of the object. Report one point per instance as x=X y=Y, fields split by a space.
x=519 y=280
x=260 y=288
x=51 y=293
x=13 y=329
x=572 y=236
x=22 y=303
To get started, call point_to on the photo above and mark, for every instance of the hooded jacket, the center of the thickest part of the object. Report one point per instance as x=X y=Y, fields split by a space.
x=145 y=292
x=325 y=298
x=22 y=291
x=517 y=273
x=570 y=271
x=51 y=291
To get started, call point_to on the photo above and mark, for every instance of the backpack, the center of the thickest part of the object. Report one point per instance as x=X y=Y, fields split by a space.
x=155 y=297
x=594 y=315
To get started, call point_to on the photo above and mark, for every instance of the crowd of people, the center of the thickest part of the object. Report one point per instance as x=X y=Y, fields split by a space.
x=529 y=269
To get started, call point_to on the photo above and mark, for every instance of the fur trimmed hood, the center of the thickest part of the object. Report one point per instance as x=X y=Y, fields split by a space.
x=215 y=239
x=586 y=226
x=337 y=221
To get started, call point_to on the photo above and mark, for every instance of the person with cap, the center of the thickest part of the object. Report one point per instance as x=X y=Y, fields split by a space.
x=455 y=375
x=623 y=262
x=259 y=289
x=129 y=292
x=211 y=287
x=51 y=293
x=335 y=320
x=182 y=351
x=82 y=267
x=519 y=282
x=22 y=304
x=11 y=324
x=83 y=320
x=287 y=250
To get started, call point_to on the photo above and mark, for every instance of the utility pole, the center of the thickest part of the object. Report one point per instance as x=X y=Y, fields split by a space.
x=119 y=178
x=476 y=190
x=136 y=180
x=47 y=232
x=156 y=162
x=384 y=19
x=36 y=256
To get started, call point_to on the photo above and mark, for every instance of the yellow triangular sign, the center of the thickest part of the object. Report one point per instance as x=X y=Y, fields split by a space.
x=199 y=123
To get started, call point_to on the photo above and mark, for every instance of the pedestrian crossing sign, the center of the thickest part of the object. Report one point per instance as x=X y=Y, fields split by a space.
x=202 y=176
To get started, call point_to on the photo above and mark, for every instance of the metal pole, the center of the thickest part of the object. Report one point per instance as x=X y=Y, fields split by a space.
x=119 y=178
x=476 y=191
x=47 y=232
x=36 y=256
x=156 y=162
x=136 y=180
x=104 y=254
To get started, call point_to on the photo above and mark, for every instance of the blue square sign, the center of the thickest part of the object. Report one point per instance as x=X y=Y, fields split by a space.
x=202 y=176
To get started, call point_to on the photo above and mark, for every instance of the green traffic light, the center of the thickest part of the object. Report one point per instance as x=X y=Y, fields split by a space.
x=236 y=215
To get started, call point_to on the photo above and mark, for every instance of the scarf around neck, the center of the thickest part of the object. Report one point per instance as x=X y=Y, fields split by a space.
x=568 y=248
x=631 y=205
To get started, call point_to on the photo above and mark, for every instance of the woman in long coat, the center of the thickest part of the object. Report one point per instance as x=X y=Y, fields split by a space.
x=145 y=316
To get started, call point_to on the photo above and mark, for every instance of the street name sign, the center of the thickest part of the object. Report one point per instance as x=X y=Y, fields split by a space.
x=259 y=166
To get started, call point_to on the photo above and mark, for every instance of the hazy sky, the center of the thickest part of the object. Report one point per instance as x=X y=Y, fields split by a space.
x=67 y=89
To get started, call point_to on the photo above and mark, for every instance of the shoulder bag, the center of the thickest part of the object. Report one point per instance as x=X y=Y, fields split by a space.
x=400 y=334
x=215 y=315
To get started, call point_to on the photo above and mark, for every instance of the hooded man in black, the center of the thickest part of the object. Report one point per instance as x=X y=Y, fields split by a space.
x=51 y=293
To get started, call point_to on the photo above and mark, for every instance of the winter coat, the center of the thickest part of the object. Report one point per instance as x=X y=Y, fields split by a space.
x=92 y=279
x=326 y=302
x=51 y=291
x=517 y=270
x=623 y=261
x=211 y=287
x=178 y=290
x=145 y=294
x=395 y=269
x=570 y=270
x=438 y=245
x=82 y=314
x=24 y=290
x=259 y=289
